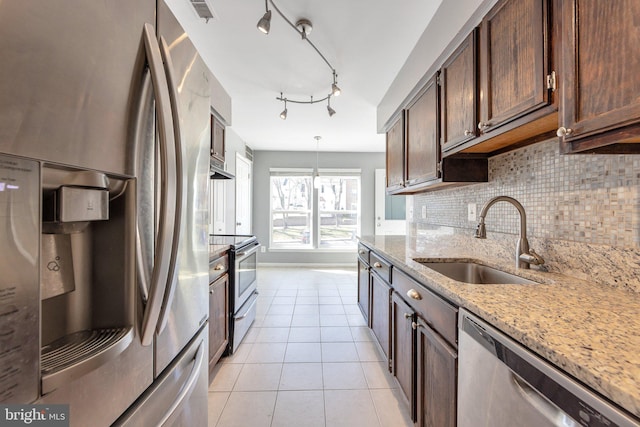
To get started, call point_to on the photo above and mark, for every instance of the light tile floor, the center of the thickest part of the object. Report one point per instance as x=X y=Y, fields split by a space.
x=308 y=360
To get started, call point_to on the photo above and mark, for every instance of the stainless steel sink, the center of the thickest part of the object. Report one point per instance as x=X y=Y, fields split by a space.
x=470 y=272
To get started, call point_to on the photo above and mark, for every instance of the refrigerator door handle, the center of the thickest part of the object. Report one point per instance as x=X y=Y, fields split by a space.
x=177 y=173
x=166 y=216
x=188 y=387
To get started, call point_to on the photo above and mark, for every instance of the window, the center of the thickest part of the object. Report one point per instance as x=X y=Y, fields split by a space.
x=326 y=217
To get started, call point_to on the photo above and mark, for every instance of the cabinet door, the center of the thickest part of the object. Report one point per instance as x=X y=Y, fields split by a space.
x=403 y=348
x=363 y=289
x=380 y=294
x=218 y=319
x=514 y=61
x=422 y=140
x=459 y=95
x=600 y=63
x=436 y=379
x=395 y=155
x=217 y=139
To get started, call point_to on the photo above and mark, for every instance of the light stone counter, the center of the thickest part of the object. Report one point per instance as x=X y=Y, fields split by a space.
x=590 y=331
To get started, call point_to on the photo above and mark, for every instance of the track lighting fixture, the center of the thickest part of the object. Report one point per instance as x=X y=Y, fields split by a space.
x=330 y=110
x=335 y=90
x=264 y=24
x=303 y=27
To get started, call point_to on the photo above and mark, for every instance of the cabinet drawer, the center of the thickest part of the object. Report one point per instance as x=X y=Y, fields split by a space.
x=381 y=267
x=363 y=253
x=437 y=313
x=218 y=267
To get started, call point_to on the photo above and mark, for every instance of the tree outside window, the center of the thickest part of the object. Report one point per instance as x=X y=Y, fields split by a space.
x=293 y=216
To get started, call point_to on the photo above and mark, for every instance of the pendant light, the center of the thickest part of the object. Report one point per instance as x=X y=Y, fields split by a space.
x=316 y=177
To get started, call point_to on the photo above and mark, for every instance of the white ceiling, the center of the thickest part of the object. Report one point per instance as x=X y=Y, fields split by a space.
x=366 y=41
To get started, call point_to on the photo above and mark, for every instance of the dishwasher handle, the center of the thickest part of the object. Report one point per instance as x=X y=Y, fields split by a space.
x=539 y=402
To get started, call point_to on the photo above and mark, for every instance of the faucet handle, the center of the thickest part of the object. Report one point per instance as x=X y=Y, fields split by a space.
x=532 y=258
x=481 y=231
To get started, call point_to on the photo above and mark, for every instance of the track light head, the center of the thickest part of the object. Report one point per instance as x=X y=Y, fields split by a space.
x=283 y=115
x=335 y=90
x=330 y=110
x=264 y=24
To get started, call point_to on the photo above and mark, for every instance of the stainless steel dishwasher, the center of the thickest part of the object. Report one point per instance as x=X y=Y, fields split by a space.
x=502 y=384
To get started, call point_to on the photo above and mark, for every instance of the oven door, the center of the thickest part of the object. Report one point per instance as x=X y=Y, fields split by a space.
x=245 y=274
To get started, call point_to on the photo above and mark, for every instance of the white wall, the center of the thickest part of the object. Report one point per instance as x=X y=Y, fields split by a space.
x=452 y=22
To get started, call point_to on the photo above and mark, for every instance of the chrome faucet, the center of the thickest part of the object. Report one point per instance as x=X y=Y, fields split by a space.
x=524 y=255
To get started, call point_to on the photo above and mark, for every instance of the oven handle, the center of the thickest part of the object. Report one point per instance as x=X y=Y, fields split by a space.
x=246 y=313
x=241 y=255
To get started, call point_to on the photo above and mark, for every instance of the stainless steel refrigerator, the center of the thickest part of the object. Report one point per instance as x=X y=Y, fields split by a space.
x=104 y=160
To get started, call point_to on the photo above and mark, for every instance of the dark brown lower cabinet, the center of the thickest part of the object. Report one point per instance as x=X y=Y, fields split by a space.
x=363 y=289
x=437 y=364
x=403 y=349
x=380 y=314
x=218 y=319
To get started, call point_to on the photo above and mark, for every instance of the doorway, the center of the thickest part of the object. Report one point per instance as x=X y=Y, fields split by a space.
x=243 y=194
x=390 y=211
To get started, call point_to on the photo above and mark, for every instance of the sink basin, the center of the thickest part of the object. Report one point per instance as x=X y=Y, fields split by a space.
x=470 y=272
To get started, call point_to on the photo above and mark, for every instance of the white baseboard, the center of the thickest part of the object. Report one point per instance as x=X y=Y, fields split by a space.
x=305 y=265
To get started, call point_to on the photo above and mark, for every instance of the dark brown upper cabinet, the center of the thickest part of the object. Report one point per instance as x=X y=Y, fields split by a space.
x=515 y=100
x=459 y=95
x=600 y=106
x=217 y=140
x=395 y=155
x=423 y=165
x=422 y=142
x=514 y=63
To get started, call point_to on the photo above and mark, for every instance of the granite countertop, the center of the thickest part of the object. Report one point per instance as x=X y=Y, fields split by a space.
x=216 y=251
x=589 y=330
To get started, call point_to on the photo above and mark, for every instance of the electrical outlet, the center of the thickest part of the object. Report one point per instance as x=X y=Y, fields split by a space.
x=471 y=211
x=410 y=213
x=263 y=249
x=424 y=212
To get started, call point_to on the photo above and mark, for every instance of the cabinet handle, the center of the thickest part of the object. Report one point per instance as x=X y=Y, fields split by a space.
x=412 y=293
x=563 y=131
x=408 y=315
x=483 y=125
x=218 y=267
x=211 y=291
x=415 y=325
x=377 y=265
x=467 y=132
x=361 y=252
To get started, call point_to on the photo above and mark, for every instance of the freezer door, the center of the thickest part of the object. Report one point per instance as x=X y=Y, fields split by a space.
x=186 y=308
x=179 y=396
x=70 y=71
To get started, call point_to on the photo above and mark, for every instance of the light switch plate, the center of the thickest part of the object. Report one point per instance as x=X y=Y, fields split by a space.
x=471 y=211
x=424 y=212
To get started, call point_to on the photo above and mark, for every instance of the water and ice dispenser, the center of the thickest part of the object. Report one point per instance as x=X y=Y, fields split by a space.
x=67 y=301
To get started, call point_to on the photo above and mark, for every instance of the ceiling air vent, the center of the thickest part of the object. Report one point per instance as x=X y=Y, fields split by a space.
x=203 y=9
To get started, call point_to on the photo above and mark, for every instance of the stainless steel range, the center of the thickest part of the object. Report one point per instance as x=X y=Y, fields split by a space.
x=243 y=293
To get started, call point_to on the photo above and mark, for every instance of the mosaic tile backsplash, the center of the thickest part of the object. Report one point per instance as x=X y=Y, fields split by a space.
x=584 y=203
